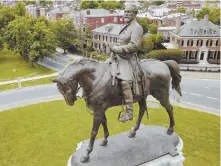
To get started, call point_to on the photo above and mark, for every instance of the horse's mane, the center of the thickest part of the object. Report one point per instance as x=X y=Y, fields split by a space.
x=85 y=70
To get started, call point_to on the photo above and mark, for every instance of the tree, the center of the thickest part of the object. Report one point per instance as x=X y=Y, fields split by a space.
x=202 y=13
x=213 y=14
x=45 y=2
x=182 y=10
x=44 y=40
x=144 y=22
x=19 y=9
x=6 y=15
x=66 y=33
x=153 y=28
x=158 y=2
x=89 y=5
x=31 y=38
x=30 y=2
x=110 y=5
x=146 y=46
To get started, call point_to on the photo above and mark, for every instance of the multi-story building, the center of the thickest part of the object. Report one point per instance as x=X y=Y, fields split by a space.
x=200 y=41
x=105 y=36
x=94 y=18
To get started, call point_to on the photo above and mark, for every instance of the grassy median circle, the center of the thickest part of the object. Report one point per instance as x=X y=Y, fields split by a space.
x=47 y=134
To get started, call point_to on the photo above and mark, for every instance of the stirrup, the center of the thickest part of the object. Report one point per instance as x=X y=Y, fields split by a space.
x=125 y=117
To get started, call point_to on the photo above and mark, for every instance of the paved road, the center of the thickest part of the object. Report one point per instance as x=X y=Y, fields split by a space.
x=205 y=93
x=59 y=61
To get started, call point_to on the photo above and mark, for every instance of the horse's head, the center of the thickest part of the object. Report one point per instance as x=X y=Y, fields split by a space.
x=68 y=88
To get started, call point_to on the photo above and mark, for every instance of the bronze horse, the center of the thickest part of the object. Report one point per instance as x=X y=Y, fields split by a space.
x=99 y=93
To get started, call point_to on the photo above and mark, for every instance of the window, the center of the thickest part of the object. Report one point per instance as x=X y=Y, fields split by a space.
x=182 y=42
x=214 y=43
x=211 y=55
x=191 y=42
x=102 y=20
x=214 y=32
x=192 y=54
x=211 y=42
x=188 y=42
x=207 y=43
x=218 y=56
x=217 y=42
x=110 y=39
x=204 y=32
x=103 y=38
x=99 y=37
x=106 y=38
x=201 y=44
x=115 y=19
x=185 y=43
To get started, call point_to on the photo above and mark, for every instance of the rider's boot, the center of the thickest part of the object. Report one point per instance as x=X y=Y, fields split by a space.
x=128 y=98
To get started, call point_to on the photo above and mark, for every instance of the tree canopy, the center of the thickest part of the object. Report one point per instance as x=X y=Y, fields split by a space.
x=158 y=2
x=89 y=5
x=153 y=28
x=144 y=22
x=213 y=14
x=30 y=37
x=65 y=32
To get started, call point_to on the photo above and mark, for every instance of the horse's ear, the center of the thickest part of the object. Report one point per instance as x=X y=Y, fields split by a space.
x=55 y=80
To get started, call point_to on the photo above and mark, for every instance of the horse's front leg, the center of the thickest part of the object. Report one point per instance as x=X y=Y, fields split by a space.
x=106 y=132
x=97 y=120
x=142 y=108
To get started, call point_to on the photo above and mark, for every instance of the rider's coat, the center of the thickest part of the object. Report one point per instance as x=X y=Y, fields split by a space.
x=125 y=51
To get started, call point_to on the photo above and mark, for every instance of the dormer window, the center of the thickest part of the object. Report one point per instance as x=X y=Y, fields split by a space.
x=204 y=32
x=195 y=32
x=214 y=32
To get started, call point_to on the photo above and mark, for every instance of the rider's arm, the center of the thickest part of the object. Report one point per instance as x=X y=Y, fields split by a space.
x=133 y=44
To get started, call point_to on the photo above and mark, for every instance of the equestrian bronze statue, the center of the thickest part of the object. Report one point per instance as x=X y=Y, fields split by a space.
x=121 y=79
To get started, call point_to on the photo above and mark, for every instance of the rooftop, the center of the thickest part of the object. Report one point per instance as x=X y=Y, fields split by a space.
x=199 y=28
x=112 y=29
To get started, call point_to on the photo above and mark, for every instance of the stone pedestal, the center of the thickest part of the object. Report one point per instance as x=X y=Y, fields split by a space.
x=150 y=147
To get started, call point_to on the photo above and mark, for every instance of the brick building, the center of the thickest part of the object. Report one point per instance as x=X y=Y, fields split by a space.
x=94 y=18
x=200 y=41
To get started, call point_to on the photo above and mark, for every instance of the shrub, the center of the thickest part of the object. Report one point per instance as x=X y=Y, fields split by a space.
x=168 y=54
x=103 y=57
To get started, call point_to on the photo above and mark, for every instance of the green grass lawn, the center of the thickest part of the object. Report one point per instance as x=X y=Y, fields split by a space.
x=8 y=62
x=27 y=83
x=46 y=134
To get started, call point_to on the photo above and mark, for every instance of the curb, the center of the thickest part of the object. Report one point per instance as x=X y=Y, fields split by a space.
x=149 y=99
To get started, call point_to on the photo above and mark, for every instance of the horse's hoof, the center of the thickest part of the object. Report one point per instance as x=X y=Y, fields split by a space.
x=170 y=131
x=84 y=158
x=104 y=143
x=131 y=134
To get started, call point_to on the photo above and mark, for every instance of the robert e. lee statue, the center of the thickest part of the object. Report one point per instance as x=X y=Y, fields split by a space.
x=125 y=56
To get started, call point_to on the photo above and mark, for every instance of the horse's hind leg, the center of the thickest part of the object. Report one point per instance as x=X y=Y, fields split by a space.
x=165 y=102
x=97 y=120
x=142 y=106
x=106 y=133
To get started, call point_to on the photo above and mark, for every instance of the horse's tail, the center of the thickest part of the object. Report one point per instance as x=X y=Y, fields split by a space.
x=175 y=74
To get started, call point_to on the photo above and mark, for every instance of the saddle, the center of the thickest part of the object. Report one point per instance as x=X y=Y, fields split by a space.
x=140 y=84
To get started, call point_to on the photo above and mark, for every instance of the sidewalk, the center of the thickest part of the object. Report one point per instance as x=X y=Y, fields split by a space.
x=200 y=75
x=28 y=79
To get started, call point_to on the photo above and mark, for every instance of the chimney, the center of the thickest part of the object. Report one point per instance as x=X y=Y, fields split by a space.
x=178 y=22
x=206 y=17
x=88 y=12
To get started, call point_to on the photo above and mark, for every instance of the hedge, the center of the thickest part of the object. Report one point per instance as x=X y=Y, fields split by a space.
x=166 y=54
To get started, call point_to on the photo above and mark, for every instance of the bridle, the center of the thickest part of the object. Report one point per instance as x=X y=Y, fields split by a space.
x=72 y=88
